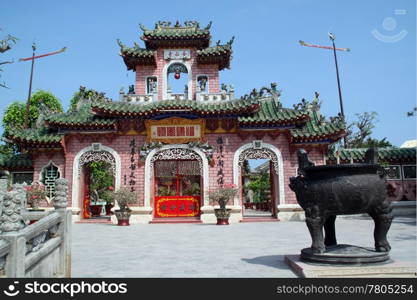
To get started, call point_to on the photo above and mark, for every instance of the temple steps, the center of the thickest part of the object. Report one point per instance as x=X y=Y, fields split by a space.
x=258 y=219
x=191 y=220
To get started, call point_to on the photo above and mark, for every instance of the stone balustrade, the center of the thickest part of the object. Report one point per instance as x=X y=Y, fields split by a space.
x=176 y=96
x=42 y=249
x=138 y=99
x=214 y=97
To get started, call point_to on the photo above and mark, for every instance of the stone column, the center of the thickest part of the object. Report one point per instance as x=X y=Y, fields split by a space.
x=11 y=218
x=20 y=188
x=60 y=202
x=4 y=179
x=11 y=222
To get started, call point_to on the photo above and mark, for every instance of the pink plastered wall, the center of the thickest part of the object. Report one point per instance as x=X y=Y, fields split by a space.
x=232 y=142
x=121 y=144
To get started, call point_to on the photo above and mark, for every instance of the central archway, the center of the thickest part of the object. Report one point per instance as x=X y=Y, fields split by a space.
x=175 y=152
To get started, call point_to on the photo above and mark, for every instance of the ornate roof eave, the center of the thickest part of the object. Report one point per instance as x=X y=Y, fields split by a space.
x=80 y=126
x=155 y=112
x=223 y=61
x=323 y=138
x=288 y=123
x=231 y=109
x=132 y=62
x=153 y=44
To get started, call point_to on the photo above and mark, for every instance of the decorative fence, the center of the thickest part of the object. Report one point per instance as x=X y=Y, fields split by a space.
x=41 y=249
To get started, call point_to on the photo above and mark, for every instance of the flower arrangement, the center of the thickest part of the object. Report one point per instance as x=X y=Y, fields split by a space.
x=223 y=194
x=124 y=197
x=35 y=193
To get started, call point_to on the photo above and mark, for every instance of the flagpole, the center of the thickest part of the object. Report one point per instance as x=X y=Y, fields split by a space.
x=30 y=87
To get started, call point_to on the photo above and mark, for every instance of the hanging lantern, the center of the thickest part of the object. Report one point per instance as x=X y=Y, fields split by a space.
x=177 y=74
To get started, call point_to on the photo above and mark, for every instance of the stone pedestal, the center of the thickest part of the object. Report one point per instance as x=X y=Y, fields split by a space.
x=388 y=269
x=344 y=254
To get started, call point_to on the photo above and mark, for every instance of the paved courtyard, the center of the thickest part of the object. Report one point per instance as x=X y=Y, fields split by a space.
x=199 y=250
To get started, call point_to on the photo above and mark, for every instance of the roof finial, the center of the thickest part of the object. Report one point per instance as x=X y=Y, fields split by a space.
x=208 y=25
x=142 y=27
x=120 y=44
x=231 y=41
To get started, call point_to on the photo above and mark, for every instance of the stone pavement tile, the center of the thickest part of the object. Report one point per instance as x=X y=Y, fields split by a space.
x=200 y=250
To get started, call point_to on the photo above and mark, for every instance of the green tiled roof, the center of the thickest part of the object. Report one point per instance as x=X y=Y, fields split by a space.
x=384 y=154
x=190 y=34
x=318 y=129
x=83 y=118
x=16 y=162
x=204 y=109
x=136 y=55
x=219 y=54
x=34 y=136
x=271 y=113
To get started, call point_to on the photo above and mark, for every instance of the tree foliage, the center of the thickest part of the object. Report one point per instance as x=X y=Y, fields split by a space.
x=101 y=178
x=14 y=116
x=6 y=44
x=260 y=185
x=359 y=132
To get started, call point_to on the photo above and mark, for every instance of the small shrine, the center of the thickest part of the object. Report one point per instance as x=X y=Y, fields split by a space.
x=172 y=144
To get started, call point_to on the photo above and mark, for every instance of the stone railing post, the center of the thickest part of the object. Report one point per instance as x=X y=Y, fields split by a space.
x=60 y=202
x=11 y=221
x=4 y=179
x=20 y=188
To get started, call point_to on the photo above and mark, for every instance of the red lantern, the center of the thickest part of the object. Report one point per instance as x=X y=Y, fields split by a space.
x=177 y=75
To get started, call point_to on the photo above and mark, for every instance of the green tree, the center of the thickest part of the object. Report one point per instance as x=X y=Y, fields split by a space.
x=101 y=178
x=359 y=132
x=261 y=186
x=14 y=116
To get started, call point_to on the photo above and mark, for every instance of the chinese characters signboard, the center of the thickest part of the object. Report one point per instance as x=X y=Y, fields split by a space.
x=177 y=54
x=175 y=130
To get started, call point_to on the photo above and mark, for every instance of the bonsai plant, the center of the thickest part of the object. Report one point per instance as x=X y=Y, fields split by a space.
x=124 y=197
x=222 y=196
x=108 y=197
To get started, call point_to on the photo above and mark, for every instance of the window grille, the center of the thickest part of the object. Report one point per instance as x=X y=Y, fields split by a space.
x=50 y=174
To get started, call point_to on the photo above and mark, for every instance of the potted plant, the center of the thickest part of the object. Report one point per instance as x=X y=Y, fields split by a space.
x=124 y=197
x=222 y=196
x=35 y=194
x=108 y=197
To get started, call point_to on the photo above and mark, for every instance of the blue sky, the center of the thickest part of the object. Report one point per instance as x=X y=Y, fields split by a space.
x=379 y=74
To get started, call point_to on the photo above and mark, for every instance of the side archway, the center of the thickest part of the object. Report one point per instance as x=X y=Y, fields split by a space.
x=264 y=151
x=87 y=155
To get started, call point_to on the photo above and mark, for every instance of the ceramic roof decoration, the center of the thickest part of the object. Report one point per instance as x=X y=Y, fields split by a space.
x=177 y=35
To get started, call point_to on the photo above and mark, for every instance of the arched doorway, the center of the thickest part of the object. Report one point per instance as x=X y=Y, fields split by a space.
x=258 y=170
x=176 y=179
x=81 y=192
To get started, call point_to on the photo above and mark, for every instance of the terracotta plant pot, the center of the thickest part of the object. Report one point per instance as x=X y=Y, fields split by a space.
x=222 y=216
x=95 y=210
x=108 y=209
x=123 y=217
